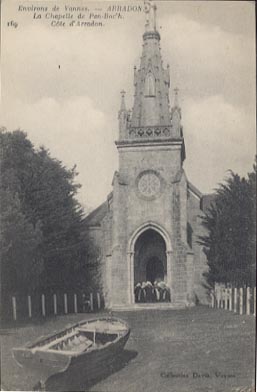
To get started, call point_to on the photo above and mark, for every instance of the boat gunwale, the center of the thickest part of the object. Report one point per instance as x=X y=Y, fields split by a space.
x=73 y=354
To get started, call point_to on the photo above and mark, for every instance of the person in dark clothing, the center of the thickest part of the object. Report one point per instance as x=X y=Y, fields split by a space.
x=149 y=291
x=143 y=292
x=138 y=292
x=156 y=294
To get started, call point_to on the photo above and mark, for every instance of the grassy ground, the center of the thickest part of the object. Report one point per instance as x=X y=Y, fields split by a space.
x=196 y=350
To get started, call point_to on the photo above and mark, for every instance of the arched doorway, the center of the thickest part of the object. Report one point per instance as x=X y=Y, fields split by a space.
x=150 y=260
x=139 y=236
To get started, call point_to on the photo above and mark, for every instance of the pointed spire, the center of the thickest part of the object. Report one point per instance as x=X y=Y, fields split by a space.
x=123 y=116
x=135 y=75
x=176 y=115
x=176 y=103
x=150 y=14
x=123 y=105
x=151 y=80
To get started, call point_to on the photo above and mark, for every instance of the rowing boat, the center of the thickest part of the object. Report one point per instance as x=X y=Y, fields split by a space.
x=84 y=348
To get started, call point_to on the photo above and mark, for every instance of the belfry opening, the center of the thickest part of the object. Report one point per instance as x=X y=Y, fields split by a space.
x=150 y=267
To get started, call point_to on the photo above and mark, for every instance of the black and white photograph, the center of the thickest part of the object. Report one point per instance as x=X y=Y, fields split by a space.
x=128 y=196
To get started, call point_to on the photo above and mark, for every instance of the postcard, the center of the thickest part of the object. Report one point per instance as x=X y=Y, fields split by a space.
x=128 y=195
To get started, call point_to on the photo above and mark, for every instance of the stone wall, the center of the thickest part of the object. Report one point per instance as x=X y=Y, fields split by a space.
x=169 y=210
x=172 y=210
x=200 y=260
x=179 y=271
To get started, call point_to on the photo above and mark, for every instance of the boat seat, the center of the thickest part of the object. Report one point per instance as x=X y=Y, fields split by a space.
x=97 y=330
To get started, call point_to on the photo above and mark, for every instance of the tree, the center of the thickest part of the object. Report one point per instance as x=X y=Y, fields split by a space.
x=42 y=221
x=21 y=265
x=230 y=226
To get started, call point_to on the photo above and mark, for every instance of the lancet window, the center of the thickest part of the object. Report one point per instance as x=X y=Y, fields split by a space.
x=149 y=85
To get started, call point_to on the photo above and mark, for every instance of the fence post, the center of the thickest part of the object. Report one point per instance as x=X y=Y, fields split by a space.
x=212 y=299
x=55 y=304
x=235 y=300
x=98 y=300
x=218 y=296
x=29 y=306
x=248 y=301
x=221 y=297
x=91 y=302
x=14 y=308
x=43 y=303
x=254 y=301
x=75 y=304
x=65 y=304
x=230 y=298
x=226 y=298
x=241 y=300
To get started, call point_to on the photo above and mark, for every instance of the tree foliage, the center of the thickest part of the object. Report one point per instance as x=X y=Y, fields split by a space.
x=230 y=225
x=42 y=235
x=19 y=238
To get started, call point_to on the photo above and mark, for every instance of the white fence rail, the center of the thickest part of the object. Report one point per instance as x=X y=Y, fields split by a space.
x=240 y=300
x=27 y=307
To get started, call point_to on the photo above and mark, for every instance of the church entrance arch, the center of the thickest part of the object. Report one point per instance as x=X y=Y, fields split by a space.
x=150 y=256
x=150 y=261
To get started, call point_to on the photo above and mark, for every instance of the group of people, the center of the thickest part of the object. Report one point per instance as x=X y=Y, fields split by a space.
x=148 y=292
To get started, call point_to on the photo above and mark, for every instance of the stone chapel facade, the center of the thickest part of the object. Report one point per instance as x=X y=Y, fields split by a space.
x=149 y=225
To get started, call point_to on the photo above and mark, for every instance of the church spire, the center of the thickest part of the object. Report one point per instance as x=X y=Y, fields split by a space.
x=151 y=103
x=150 y=118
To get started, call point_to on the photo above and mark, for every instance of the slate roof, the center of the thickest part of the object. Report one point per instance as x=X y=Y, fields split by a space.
x=194 y=190
x=207 y=200
x=96 y=216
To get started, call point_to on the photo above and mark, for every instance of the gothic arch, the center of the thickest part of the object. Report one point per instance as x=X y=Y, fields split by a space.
x=149 y=84
x=146 y=226
x=131 y=253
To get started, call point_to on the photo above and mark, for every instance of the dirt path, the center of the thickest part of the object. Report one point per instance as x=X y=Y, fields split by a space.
x=196 y=350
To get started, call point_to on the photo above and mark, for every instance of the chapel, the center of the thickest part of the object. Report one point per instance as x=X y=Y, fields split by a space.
x=147 y=229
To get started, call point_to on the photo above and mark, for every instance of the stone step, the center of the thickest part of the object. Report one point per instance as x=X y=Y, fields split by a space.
x=149 y=306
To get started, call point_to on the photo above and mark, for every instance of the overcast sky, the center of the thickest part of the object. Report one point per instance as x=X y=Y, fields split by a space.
x=62 y=86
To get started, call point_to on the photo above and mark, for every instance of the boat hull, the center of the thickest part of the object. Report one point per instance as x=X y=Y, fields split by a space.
x=58 y=370
x=84 y=371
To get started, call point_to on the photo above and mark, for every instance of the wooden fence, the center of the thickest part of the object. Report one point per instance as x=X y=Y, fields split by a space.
x=24 y=307
x=240 y=300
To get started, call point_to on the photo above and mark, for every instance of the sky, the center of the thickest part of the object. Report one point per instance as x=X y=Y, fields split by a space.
x=62 y=85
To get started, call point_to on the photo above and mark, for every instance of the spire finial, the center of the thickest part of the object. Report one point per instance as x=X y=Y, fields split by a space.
x=176 y=104
x=150 y=15
x=123 y=105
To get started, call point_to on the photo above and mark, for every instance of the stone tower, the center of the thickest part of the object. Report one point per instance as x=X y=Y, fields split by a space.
x=145 y=228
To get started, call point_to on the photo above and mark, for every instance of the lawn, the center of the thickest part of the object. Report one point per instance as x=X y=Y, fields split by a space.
x=196 y=350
